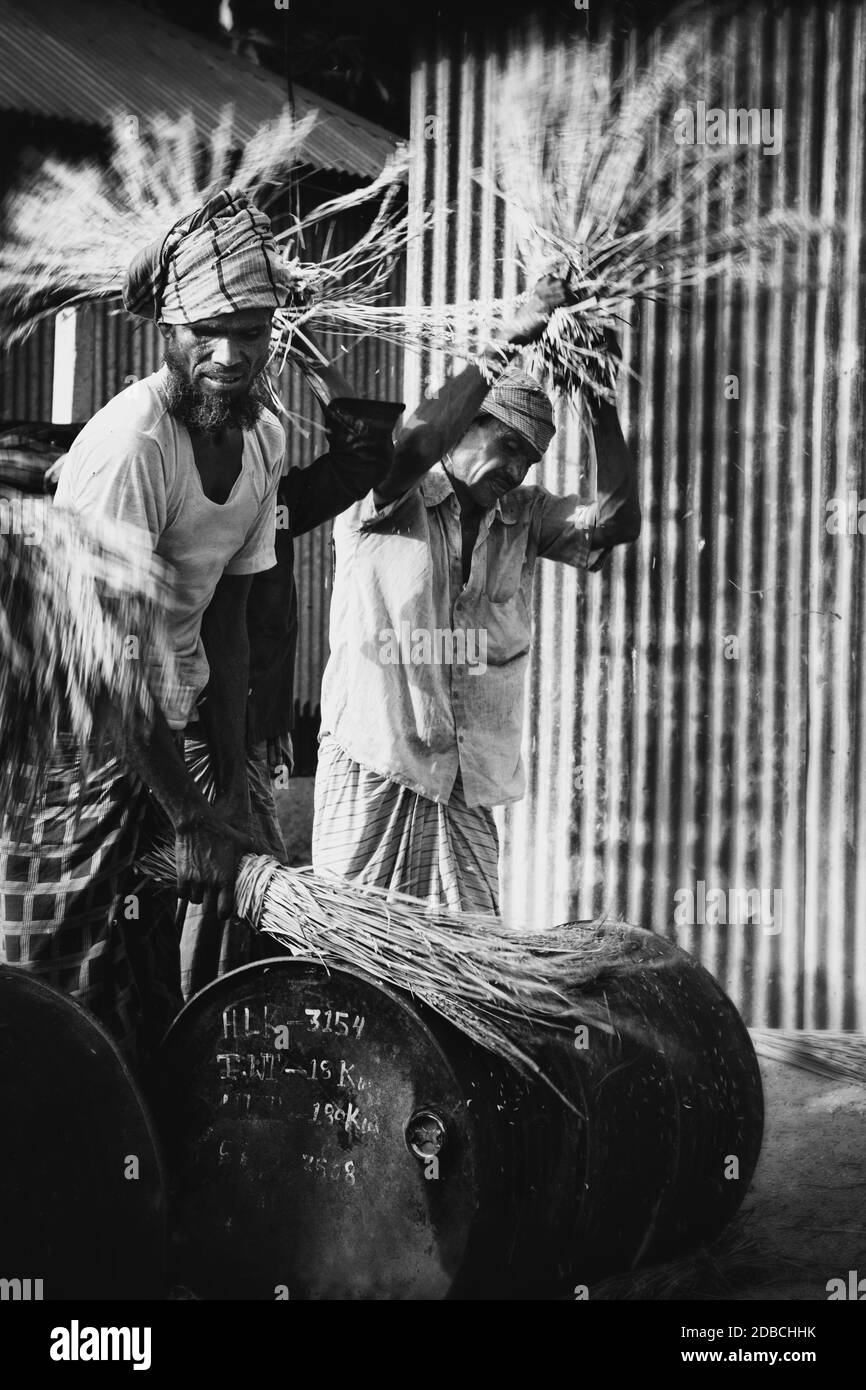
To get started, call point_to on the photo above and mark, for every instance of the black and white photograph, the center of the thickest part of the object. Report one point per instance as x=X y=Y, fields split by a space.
x=432 y=690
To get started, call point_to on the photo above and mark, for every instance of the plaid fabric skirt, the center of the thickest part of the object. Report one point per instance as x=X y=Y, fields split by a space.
x=66 y=886
x=370 y=830
x=75 y=911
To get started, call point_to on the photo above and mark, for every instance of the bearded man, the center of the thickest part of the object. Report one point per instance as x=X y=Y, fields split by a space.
x=191 y=457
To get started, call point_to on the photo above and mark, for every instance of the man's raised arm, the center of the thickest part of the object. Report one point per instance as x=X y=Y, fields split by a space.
x=441 y=420
x=617 y=504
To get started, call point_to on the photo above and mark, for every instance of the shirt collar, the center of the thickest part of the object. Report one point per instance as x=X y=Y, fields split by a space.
x=436 y=487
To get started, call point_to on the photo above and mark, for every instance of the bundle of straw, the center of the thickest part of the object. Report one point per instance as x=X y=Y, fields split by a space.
x=599 y=191
x=833 y=1055
x=493 y=982
x=71 y=229
x=595 y=186
x=344 y=292
x=80 y=609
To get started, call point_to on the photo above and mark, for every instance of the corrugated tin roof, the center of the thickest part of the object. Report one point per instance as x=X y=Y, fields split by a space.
x=86 y=60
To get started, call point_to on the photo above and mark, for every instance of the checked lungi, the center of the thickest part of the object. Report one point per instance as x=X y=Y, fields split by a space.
x=370 y=830
x=76 y=912
x=64 y=879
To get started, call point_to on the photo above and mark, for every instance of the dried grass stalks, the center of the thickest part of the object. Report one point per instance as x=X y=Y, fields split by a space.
x=80 y=608
x=71 y=229
x=598 y=189
x=493 y=982
x=838 y=1056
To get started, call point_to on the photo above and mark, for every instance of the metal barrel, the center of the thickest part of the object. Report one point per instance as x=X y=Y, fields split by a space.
x=84 y=1211
x=329 y=1138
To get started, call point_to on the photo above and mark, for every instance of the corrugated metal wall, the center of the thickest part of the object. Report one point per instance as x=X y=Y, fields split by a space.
x=657 y=759
x=27 y=377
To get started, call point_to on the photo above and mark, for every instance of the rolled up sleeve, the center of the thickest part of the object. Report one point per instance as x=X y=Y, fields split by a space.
x=563 y=528
x=367 y=513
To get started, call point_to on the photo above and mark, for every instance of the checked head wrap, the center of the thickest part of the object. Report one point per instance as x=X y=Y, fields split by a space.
x=519 y=401
x=214 y=261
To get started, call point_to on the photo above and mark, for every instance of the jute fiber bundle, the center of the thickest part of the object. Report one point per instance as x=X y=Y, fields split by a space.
x=598 y=188
x=70 y=229
x=81 y=606
x=595 y=187
x=487 y=978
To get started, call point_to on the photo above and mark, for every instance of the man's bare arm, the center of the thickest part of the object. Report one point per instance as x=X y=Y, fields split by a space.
x=618 y=518
x=431 y=430
x=207 y=849
x=222 y=711
x=359 y=455
x=209 y=839
x=440 y=422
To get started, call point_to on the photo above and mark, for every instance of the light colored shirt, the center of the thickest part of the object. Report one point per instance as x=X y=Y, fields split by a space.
x=426 y=675
x=134 y=462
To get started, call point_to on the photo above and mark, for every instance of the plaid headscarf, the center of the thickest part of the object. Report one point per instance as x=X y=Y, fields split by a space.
x=214 y=261
x=519 y=401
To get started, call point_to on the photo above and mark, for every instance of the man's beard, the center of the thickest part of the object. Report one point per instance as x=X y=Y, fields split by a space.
x=211 y=411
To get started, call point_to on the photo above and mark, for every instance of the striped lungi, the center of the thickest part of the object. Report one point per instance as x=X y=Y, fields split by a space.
x=370 y=830
x=64 y=884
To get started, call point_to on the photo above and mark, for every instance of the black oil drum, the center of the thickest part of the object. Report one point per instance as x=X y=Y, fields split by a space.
x=83 y=1213
x=329 y=1138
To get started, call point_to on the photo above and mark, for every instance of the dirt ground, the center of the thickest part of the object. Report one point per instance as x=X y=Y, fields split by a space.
x=807 y=1207
x=806 y=1210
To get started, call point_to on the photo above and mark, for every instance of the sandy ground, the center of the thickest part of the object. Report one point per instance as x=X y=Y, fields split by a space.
x=807 y=1207
x=806 y=1211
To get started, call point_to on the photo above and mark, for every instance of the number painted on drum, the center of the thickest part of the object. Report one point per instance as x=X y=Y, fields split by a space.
x=334 y=1022
x=347 y=1078
x=232 y=1153
x=348 y=1118
x=330 y=1170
